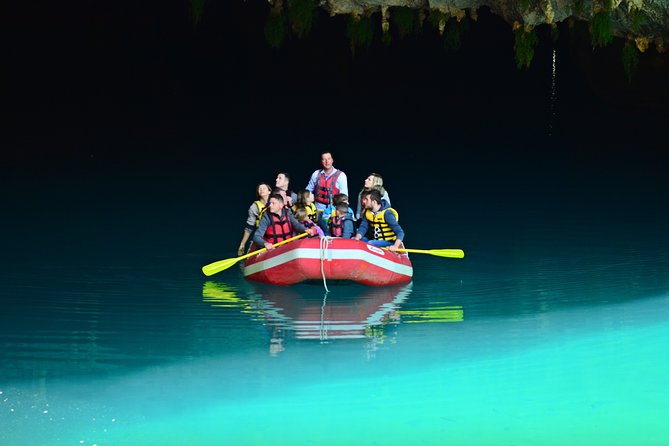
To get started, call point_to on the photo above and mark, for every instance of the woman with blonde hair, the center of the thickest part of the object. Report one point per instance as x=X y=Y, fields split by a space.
x=373 y=181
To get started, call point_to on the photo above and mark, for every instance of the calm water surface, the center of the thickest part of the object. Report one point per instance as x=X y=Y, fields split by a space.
x=552 y=330
x=129 y=159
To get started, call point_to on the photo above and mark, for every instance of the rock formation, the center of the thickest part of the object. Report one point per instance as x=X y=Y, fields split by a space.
x=643 y=22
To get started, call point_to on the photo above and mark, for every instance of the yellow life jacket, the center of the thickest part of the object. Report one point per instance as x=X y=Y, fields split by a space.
x=312 y=211
x=261 y=210
x=377 y=223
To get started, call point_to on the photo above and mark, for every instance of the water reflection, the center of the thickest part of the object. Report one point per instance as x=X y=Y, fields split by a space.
x=345 y=312
x=445 y=313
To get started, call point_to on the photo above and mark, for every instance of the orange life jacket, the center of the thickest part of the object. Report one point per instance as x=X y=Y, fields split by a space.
x=326 y=188
x=337 y=225
x=280 y=229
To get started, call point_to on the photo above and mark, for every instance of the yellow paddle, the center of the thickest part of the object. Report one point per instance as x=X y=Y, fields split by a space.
x=221 y=265
x=453 y=253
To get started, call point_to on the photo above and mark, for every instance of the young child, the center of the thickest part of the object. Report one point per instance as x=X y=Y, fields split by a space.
x=305 y=199
x=341 y=224
x=331 y=211
x=301 y=215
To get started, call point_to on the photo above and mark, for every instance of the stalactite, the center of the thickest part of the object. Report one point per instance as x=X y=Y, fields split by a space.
x=548 y=12
x=385 y=24
x=535 y=12
x=642 y=43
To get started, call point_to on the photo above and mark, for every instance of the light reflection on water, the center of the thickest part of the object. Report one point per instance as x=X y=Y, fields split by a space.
x=527 y=376
x=335 y=315
x=526 y=341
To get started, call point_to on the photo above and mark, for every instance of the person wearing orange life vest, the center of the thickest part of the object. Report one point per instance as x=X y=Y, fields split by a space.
x=263 y=191
x=339 y=199
x=327 y=182
x=382 y=219
x=341 y=224
x=277 y=224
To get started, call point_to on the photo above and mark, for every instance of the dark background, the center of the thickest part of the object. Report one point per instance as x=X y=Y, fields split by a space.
x=121 y=117
x=114 y=79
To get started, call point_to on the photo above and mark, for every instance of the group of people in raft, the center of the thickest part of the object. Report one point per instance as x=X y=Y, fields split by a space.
x=321 y=209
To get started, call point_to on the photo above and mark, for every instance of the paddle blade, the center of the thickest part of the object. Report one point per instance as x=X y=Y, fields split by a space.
x=452 y=253
x=217 y=267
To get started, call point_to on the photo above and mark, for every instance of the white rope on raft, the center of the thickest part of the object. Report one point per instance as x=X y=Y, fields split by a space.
x=324 y=245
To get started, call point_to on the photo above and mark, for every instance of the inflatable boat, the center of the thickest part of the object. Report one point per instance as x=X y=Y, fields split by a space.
x=329 y=259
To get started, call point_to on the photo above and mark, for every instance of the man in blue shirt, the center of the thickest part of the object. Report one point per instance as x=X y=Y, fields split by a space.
x=327 y=182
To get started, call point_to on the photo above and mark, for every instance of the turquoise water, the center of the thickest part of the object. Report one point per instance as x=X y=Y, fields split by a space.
x=578 y=375
x=552 y=330
x=129 y=158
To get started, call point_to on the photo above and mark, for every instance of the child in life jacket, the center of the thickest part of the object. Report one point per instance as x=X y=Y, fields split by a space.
x=305 y=199
x=341 y=224
x=301 y=215
x=331 y=211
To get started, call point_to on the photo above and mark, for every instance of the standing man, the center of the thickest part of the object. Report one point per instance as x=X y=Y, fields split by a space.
x=327 y=182
x=283 y=183
x=383 y=221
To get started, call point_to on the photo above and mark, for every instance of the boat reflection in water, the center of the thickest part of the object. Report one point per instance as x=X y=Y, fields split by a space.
x=304 y=312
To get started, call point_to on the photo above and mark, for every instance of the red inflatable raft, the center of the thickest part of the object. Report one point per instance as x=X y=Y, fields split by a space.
x=329 y=259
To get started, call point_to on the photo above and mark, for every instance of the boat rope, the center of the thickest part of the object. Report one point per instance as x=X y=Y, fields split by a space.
x=323 y=332
x=324 y=245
